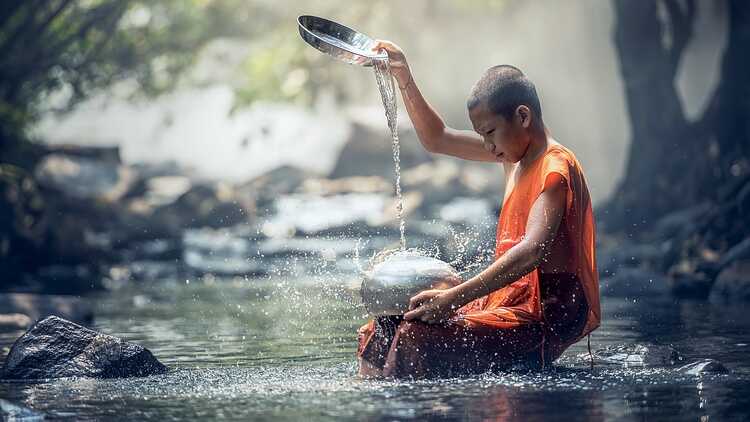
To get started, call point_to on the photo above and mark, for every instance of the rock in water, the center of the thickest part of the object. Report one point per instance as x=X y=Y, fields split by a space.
x=37 y=307
x=14 y=412
x=387 y=288
x=57 y=348
x=706 y=366
x=639 y=355
x=733 y=282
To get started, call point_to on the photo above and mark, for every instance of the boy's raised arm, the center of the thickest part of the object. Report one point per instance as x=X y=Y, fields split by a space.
x=431 y=130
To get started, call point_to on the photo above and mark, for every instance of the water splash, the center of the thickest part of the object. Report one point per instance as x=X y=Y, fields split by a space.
x=461 y=242
x=357 y=261
x=384 y=254
x=387 y=89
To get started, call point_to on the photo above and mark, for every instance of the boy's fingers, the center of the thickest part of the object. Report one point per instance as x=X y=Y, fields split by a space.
x=385 y=45
x=413 y=303
x=415 y=314
x=418 y=299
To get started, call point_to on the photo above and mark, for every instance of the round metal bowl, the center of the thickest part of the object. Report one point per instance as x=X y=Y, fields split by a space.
x=387 y=288
x=338 y=40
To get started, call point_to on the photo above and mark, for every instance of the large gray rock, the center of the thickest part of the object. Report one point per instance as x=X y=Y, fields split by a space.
x=206 y=206
x=57 y=348
x=682 y=221
x=633 y=282
x=705 y=366
x=369 y=153
x=733 y=283
x=105 y=153
x=279 y=181
x=24 y=222
x=614 y=254
x=638 y=355
x=14 y=412
x=740 y=251
x=37 y=307
x=14 y=321
x=85 y=178
x=688 y=284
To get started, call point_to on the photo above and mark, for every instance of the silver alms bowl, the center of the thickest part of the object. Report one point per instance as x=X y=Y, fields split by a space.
x=388 y=286
x=338 y=40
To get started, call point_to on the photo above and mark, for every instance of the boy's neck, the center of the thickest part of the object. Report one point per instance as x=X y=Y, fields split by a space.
x=537 y=146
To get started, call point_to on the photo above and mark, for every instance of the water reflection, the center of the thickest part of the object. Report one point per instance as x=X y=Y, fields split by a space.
x=277 y=349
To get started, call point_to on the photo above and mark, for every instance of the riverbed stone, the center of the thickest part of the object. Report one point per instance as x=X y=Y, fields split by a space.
x=633 y=282
x=10 y=411
x=37 y=307
x=57 y=348
x=615 y=254
x=740 y=251
x=639 y=355
x=84 y=178
x=208 y=205
x=687 y=284
x=733 y=283
x=704 y=366
x=12 y=322
x=368 y=151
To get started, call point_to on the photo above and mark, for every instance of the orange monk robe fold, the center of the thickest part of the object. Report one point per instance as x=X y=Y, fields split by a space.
x=521 y=303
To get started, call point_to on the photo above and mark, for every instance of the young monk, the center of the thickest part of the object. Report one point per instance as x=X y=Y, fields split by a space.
x=541 y=294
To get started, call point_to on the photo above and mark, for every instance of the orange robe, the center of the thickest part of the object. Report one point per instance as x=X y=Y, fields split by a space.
x=514 y=316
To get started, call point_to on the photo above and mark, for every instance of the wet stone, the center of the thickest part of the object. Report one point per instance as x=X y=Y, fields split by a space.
x=689 y=285
x=733 y=283
x=705 y=366
x=639 y=355
x=57 y=348
x=10 y=322
x=14 y=412
x=37 y=307
x=633 y=282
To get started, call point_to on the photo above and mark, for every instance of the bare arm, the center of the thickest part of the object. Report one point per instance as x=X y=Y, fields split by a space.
x=541 y=228
x=431 y=130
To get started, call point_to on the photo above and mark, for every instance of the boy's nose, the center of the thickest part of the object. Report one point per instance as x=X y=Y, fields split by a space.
x=490 y=147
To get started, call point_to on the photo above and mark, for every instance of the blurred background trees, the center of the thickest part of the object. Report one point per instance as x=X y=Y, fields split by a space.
x=686 y=185
x=72 y=48
x=674 y=161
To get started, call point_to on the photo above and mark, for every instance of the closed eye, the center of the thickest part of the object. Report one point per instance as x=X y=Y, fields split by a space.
x=489 y=132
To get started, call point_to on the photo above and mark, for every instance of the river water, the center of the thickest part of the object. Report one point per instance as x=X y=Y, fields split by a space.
x=283 y=349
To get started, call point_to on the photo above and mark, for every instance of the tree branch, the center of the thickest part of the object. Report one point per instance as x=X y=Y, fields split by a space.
x=39 y=30
x=9 y=10
x=682 y=20
x=9 y=42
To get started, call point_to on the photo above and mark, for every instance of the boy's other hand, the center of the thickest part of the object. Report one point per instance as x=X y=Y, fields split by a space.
x=431 y=306
x=396 y=60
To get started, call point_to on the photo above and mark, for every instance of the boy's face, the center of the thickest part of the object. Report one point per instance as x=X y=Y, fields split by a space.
x=506 y=139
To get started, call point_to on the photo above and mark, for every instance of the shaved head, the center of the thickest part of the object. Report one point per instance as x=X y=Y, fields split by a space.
x=503 y=88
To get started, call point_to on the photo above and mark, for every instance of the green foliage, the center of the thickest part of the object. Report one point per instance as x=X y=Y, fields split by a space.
x=79 y=46
x=55 y=53
x=276 y=70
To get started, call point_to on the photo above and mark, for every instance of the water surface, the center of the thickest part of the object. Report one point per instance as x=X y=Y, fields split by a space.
x=276 y=348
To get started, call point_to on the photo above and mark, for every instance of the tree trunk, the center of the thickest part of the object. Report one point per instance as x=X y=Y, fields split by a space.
x=674 y=163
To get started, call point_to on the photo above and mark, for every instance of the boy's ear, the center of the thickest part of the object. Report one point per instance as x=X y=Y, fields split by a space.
x=523 y=116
